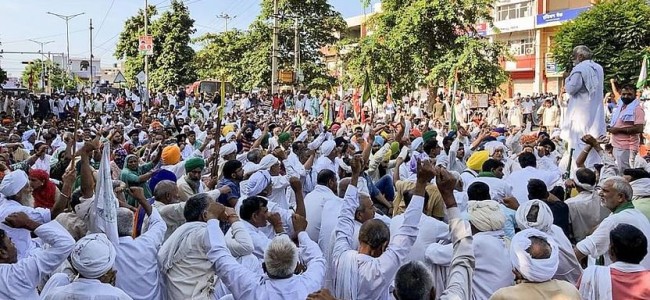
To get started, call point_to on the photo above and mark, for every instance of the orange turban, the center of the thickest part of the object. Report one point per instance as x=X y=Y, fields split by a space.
x=171 y=155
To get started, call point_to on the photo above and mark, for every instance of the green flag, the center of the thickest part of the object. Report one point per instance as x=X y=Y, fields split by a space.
x=643 y=76
x=453 y=123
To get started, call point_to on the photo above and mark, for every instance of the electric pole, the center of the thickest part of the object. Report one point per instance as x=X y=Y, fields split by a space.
x=145 y=95
x=42 y=59
x=90 y=77
x=274 y=57
x=296 y=51
x=67 y=33
x=226 y=18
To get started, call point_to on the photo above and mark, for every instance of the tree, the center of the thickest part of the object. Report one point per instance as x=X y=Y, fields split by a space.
x=219 y=56
x=421 y=42
x=56 y=77
x=174 y=56
x=318 y=21
x=127 y=44
x=618 y=33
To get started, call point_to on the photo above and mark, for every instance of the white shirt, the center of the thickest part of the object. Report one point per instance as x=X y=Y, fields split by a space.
x=43 y=163
x=527 y=106
x=431 y=231
x=87 y=289
x=172 y=214
x=375 y=275
x=499 y=188
x=585 y=213
x=245 y=284
x=519 y=181
x=262 y=236
x=137 y=261
x=597 y=243
x=19 y=280
x=314 y=203
x=21 y=237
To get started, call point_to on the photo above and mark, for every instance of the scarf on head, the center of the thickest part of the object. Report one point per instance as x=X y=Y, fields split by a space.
x=45 y=195
x=486 y=215
x=640 y=188
x=544 y=216
x=533 y=269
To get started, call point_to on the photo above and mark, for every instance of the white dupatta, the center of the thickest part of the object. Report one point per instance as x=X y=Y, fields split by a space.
x=596 y=283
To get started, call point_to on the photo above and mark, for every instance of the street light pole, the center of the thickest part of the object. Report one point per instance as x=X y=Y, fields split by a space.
x=67 y=18
x=274 y=58
x=42 y=60
x=226 y=18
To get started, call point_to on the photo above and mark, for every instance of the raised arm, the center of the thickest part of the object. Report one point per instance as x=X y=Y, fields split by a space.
x=344 y=231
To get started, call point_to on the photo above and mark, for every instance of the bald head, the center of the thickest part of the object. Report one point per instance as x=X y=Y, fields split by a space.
x=374 y=233
x=166 y=192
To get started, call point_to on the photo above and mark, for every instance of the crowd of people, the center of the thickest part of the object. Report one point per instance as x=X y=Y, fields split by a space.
x=172 y=195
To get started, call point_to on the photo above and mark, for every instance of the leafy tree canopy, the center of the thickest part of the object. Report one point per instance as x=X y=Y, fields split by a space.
x=618 y=33
x=56 y=76
x=422 y=42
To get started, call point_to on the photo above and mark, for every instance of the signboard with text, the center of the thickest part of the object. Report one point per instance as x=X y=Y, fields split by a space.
x=556 y=17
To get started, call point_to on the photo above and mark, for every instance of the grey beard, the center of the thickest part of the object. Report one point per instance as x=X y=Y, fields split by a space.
x=27 y=201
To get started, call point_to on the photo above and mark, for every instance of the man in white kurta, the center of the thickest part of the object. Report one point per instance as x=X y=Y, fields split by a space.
x=245 y=284
x=585 y=113
x=19 y=280
x=137 y=261
x=375 y=274
x=314 y=203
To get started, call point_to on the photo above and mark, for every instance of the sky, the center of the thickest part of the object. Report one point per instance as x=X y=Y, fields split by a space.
x=22 y=20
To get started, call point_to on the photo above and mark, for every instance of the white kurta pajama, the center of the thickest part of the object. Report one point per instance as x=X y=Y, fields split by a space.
x=314 y=203
x=19 y=280
x=584 y=113
x=372 y=276
x=245 y=284
x=137 y=261
x=431 y=231
x=21 y=237
x=491 y=255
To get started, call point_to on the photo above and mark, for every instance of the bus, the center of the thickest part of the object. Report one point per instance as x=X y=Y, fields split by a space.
x=209 y=87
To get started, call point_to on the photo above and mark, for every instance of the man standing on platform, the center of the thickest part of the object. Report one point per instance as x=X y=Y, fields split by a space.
x=585 y=113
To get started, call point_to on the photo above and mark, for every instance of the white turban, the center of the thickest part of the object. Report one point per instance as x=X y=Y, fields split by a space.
x=302 y=136
x=258 y=182
x=93 y=255
x=590 y=188
x=268 y=161
x=544 y=216
x=493 y=146
x=228 y=148
x=327 y=147
x=229 y=136
x=533 y=269
x=416 y=143
x=486 y=215
x=13 y=182
x=28 y=134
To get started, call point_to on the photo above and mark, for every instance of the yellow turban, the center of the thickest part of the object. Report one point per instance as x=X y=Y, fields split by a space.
x=227 y=129
x=171 y=155
x=475 y=162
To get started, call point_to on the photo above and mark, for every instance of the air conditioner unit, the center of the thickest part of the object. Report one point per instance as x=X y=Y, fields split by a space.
x=530 y=51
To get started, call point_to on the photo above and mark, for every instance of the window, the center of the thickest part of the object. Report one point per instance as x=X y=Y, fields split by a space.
x=514 y=11
x=519 y=47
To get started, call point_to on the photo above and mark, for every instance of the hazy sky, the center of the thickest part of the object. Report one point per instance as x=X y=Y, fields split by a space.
x=21 y=20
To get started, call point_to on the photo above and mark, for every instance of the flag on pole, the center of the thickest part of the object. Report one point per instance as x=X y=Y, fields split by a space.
x=365 y=97
x=355 y=103
x=222 y=101
x=104 y=208
x=453 y=123
x=643 y=76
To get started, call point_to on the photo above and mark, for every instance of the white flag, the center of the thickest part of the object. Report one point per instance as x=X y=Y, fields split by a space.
x=104 y=210
x=643 y=76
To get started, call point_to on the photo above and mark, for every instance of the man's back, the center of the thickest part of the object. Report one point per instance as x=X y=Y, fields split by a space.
x=552 y=289
x=88 y=289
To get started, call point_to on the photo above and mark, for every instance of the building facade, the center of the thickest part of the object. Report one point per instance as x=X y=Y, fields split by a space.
x=528 y=28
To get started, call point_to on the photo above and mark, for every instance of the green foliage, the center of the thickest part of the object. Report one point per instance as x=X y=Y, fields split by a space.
x=171 y=63
x=127 y=45
x=420 y=42
x=618 y=33
x=246 y=56
x=57 y=78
